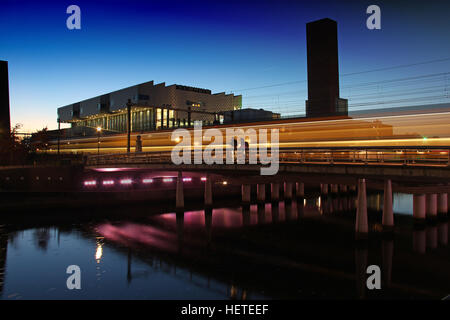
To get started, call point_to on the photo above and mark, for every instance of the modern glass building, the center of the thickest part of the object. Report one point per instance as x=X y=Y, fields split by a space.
x=154 y=107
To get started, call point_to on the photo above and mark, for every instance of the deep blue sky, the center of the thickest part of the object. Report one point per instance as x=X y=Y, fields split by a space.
x=220 y=45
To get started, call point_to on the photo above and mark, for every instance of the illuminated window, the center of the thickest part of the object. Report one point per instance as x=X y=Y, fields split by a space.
x=158 y=118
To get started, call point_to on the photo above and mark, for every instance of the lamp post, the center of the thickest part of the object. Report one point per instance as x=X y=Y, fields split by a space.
x=129 y=104
x=99 y=131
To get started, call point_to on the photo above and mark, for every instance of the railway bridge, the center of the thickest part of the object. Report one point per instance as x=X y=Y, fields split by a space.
x=421 y=171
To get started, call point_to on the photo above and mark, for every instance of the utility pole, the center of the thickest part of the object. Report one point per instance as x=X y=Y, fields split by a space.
x=128 y=125
x=59 y=134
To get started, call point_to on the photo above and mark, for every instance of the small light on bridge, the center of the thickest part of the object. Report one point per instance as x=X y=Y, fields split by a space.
x=146 y=181
x=108 y=182
x=167 y=180
x=126 y=181
x=225 y=183
x=187 y=179
x=203 y=178
x=89 y=183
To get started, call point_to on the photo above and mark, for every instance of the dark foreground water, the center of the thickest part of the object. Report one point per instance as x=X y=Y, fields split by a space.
x=301 y=250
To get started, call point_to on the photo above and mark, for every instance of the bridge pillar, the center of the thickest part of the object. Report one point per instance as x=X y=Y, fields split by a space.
x=419 y=207
x=179 y=192
x=343 y=188
x=275 y=188
x=246 y=194
x=334 y=188
x=362 y=225
x=442 y=204
x=208 y=191
x=431 y=202
x=261 y=193
x=288 y=190
x=324 y=188
x=300 y=190
x=388 y=214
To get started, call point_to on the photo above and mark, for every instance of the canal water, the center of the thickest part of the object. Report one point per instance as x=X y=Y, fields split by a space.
x=304 y=249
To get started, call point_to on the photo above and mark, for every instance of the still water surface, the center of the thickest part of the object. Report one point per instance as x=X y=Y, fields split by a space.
x=301 y=250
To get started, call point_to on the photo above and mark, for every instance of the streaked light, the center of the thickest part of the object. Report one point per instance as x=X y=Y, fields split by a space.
x=126 y=181
x=187 y=179
x=167 y=180
x=90 y=183
x=203 y=178
x=108 y=182
x=147 y=180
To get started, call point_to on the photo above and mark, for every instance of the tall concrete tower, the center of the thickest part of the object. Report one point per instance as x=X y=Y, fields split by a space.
x=5 y=122
x=323 y=70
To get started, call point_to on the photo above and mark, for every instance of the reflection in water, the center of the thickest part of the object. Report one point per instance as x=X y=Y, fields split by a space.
x=42 y=236
x=99 y=250
x=361 y=256
x=3 y=254
x=387 y=252
x=227 y=253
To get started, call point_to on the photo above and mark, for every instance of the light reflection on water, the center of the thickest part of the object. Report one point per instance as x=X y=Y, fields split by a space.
x=172 y=256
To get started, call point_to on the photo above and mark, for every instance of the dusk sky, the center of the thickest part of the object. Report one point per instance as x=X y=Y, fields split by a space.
x=231 y=46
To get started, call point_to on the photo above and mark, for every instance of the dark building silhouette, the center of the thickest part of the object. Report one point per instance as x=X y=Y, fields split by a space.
x=5 y=123
x=323 y=70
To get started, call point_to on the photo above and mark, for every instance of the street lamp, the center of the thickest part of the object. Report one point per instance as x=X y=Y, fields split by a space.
x=99 y=131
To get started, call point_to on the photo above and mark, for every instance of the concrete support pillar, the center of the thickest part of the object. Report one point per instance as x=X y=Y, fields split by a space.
x=324 y=188
x=362 y=225
x=208 y=191
x=179 y=192
x=288 y=190
x=261 y=193
x=334 y=188
x=388 y=214
x=275 y=188
x=246 y=193
x=431 y=202
x=300 y=190
x=442 y=204
x=419 y=207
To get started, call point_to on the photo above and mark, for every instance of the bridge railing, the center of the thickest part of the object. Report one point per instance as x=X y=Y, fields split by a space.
x=430 y=156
